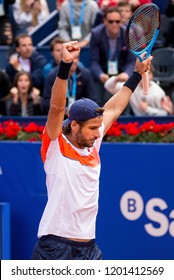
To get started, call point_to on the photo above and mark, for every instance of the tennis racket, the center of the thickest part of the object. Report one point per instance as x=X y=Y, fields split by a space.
x=141 y=34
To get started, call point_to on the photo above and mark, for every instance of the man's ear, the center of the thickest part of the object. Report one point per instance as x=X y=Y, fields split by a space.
x=74 y=126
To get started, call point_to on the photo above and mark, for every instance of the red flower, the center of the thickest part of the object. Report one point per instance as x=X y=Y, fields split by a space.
x=31 y=127
x=146 y=132
x=11 y=128
x=132 y=128
x=1 y=129
x=114 y=129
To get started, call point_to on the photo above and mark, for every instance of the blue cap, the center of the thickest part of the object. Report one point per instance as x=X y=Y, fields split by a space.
x=82 y=110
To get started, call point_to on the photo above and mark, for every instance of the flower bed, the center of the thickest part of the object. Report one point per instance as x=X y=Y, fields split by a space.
x=12 y=130
x=149 y=131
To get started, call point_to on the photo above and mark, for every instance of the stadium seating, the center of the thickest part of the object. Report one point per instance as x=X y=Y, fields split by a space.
x=43 y=30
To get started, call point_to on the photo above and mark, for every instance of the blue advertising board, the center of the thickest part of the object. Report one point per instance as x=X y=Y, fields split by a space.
x=136 y=203
x=5 y=239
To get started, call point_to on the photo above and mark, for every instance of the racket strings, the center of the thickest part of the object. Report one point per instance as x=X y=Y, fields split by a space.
x=142 y=29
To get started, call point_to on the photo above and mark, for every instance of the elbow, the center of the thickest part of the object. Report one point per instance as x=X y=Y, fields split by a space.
x=56 y=109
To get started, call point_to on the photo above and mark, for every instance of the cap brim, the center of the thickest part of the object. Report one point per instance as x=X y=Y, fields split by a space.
x=66 y=122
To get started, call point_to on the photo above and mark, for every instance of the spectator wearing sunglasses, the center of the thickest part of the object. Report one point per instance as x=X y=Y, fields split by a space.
x=109 y=54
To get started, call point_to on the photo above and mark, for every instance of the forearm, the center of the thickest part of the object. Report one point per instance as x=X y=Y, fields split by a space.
x=59 y=89
x=96 y=70
x=58 y=94
x=151 y=111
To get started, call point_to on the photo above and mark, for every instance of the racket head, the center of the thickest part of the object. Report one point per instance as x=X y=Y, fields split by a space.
x=142 y=30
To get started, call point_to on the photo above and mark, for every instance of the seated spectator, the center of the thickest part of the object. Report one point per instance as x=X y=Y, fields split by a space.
x=155 y=103
x=109 y=54
x=55 y=49
x=80 y=84
x=24 y=100
x=4 y=91
x=76 y=20
x=25 y=58
x=6 y=31
x=28 y=14
x=125 y=9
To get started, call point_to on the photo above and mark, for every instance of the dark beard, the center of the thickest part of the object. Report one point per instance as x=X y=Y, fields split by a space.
x=81 y=140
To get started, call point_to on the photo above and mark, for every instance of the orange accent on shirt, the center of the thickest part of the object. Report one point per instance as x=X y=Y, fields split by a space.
x=45 y=144
x=67 y=151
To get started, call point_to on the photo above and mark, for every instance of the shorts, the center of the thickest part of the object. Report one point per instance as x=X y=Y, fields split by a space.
x=52 y=247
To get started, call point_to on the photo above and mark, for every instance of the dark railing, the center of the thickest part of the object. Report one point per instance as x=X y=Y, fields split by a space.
x=41 y=120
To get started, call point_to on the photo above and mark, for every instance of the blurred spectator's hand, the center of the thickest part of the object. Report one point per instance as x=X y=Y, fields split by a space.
x=143 y=106
x=14 y=94
x=35 y=95
x=104 y=77
x=167 y=105
x=14 y=61
x=122 y=77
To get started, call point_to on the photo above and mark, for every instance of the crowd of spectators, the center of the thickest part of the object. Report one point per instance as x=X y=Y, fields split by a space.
x=26 y=81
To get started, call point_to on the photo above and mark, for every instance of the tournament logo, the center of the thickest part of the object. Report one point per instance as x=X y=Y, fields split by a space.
x=132 y=207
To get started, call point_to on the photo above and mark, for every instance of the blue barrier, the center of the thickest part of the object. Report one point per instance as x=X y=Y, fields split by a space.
x=25 y=190
x=5 y=231
x=136 y=203
x=41 y=120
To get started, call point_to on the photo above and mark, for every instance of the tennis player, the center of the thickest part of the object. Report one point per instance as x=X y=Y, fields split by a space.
x=70 y=153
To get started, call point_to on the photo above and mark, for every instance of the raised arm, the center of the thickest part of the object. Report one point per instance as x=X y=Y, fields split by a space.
x=70 y=51
x=117 y=103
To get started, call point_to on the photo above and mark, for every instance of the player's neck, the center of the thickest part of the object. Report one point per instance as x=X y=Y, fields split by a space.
x=73 y=142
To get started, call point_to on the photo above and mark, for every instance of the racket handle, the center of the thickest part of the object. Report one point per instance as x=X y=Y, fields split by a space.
x=145 y=81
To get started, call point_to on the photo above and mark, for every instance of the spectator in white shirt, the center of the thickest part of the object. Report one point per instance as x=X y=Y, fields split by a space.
x=29 y=13
x=155 y=103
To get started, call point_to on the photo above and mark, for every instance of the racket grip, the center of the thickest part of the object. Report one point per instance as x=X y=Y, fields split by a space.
x=145 y=81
